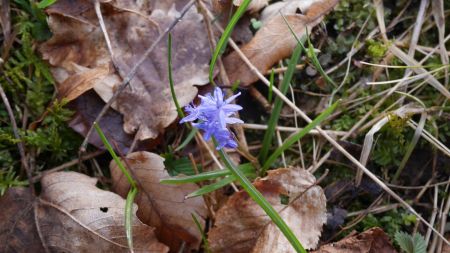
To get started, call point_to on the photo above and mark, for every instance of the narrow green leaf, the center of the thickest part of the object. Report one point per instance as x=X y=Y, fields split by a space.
x=262 y=202
x=297 y=136
x=211 y=187
x=271 y=80
x=274 y=116
x=310 y=53
x=188 y=139
x=45 y=3
x=223 y=41
x=131 y=194
x=172 y=88
x=129 y=216
x=200 y=229
x=246 y=168
x=114 y=156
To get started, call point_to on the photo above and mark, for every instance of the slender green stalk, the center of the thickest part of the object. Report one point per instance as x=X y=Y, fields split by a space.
x=131 y=194
x=129 y=216
x=271 y=80
x=297 y=136
x=114 y=156
x=223 y=41
x=274 y=116
x=200 y=229
x=211 y=187
x=172 y=88
x=187 y=140
x=263 y=203
x=246 y=168
x=310 y=53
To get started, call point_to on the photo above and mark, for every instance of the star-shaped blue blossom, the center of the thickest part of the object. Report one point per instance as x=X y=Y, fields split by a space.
x=213 y=115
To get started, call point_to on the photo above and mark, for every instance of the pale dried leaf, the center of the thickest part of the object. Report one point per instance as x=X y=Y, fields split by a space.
x=162 y=206
x=242 y=226
x=408 y=60
x=286 y=7
x=73 y=207
x=254 y=6
x=373 y=240
x=77 y=49
x=274 y=41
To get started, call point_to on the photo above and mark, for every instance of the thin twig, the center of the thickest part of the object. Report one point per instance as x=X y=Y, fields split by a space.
x=20 y=143
x=67 y=164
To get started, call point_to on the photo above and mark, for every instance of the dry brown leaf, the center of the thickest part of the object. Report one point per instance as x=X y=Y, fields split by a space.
x=162 y=206
x=373 y=240
x=242 y=226
x=73 y=207
x=81 y=61
x=86 y=108
x=72 y=215
x=274 y=41
x=18 y=231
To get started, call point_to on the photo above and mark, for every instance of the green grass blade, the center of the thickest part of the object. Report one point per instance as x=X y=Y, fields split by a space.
x=263 y=203
x=246 y=168
x=274 y=116
x=310 y=53
x=188 y=139
x=172 y=88
x=211 y=187
x=129 y=216
x=114 y=156
x=313 y=56
x=196 y=178
x=200 y=229
x=297 y=136
x=271 y=80
x=223 y=41
x=131 y=194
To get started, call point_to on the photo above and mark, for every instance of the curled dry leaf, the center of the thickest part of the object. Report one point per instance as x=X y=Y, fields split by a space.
x=373 y=240
x=242 y=226
x=161 y=206
x=80 y=59
x=72 y=215
x=274 y=41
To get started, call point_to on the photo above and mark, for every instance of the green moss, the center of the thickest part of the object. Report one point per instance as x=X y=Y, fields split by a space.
x=376 y=49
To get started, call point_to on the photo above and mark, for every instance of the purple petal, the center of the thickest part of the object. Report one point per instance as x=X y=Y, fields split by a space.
x=229 y=108
x=222 y=119
x=233 y=121
x=189 y=118
x=218 y=95
x=232 y=98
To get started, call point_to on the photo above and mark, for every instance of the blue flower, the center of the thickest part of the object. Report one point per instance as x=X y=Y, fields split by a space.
x=213 y=114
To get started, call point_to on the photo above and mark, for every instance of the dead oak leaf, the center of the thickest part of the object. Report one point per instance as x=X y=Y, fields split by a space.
x=373 y=240
x=80 y=59
x=162 y=206
x=73 y=207
x=72 y=215
x=242 y=226
x=274 y=41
